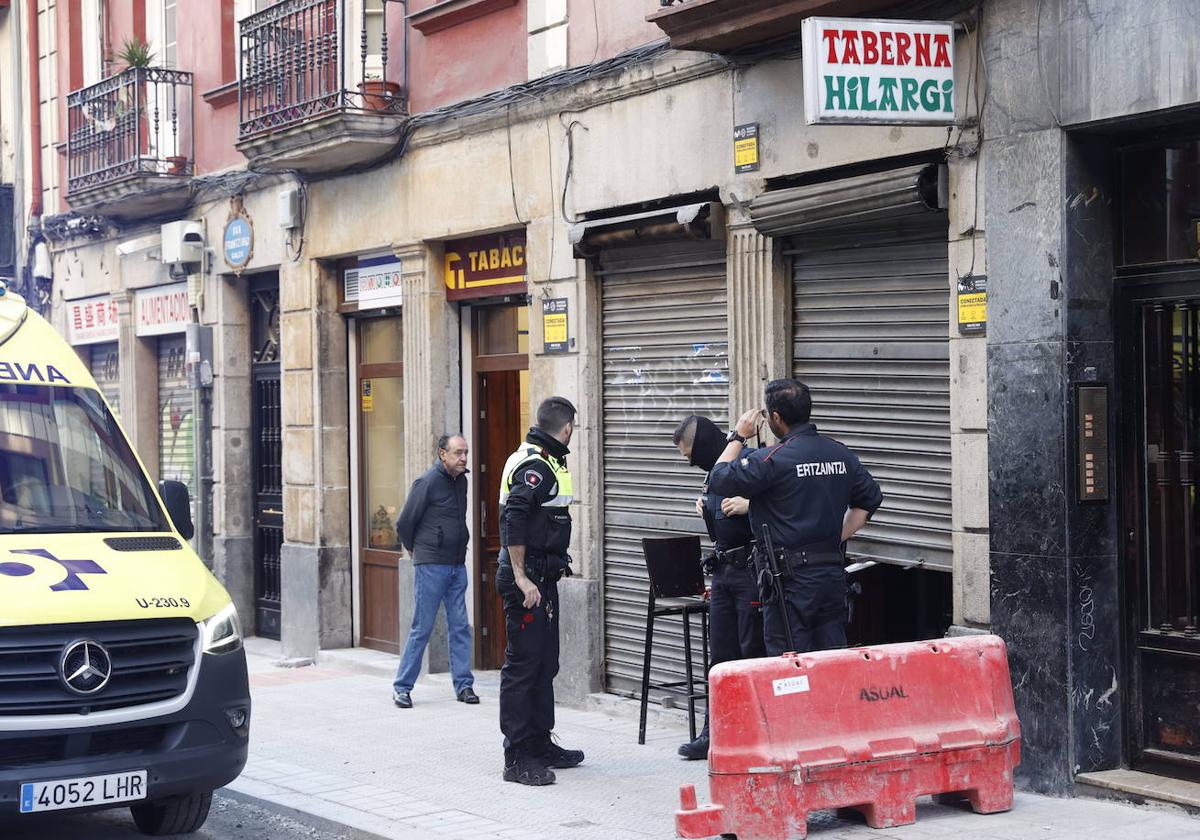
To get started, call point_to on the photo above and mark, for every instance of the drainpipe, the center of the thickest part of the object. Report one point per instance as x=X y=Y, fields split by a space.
x=35 y=116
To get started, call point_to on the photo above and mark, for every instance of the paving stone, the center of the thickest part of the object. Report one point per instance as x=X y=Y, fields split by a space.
x=435 y=770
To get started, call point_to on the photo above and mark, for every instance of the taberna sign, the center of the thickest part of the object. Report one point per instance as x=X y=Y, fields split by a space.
x=885 y=72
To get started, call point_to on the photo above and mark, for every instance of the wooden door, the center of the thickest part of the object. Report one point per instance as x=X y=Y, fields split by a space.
x=499 y=433
x=502 y=419
x=382 y=485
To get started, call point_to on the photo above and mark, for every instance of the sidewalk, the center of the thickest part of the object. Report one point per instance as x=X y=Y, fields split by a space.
x=327 y=741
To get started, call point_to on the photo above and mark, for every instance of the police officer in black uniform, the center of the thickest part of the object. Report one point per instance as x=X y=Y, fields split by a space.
x=813 y=494
x=535 y=532
x=735 y=629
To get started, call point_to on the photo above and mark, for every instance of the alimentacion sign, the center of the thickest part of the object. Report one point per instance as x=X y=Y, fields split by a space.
x=888 y=72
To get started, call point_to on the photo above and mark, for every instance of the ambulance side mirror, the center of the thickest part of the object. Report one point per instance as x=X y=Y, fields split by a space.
x=179 y=506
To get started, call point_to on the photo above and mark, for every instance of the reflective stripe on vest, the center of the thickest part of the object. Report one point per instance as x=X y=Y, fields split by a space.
x=564 y=487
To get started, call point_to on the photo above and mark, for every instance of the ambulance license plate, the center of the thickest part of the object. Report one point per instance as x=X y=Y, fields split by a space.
x=83 y=792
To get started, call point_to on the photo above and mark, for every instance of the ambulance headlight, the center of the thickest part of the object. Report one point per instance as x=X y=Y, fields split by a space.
x=223 y=632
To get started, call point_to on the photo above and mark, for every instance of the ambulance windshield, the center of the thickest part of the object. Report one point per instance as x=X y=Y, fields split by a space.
x=65 y=466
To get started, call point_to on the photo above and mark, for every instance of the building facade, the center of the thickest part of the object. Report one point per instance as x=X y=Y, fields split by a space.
x=404 y=223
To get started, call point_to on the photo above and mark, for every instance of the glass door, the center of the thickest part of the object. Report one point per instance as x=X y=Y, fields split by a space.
x=1165 y=550
x=381 y=473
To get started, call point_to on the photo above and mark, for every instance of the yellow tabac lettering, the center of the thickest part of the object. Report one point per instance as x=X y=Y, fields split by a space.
x=505 y=258
x=495 y=258
x=519 y=253
x=453 y=272
x=474 y=257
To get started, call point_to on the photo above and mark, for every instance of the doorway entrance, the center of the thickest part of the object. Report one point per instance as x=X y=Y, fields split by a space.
x=1163 y=550
x=500 y=338
x=381 y=456
x=268 y=454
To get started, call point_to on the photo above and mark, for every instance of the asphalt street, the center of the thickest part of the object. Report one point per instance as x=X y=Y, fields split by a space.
x=229 y=819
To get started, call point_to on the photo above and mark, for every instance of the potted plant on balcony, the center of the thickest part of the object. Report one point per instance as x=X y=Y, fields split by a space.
x=135 y=53
x=379 y=94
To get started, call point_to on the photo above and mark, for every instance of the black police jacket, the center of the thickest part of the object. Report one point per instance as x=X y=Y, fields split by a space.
x=801 y=488
x=525 y=519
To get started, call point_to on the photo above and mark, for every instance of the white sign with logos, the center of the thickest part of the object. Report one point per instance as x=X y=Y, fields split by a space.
x=92 y=320
x=884 y=72
x=379 y=282
x=162 y=310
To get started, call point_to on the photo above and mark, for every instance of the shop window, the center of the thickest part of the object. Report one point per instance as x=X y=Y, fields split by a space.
x=382 y=340
x=381 y=408
x=502 y=330
x=1160 y=204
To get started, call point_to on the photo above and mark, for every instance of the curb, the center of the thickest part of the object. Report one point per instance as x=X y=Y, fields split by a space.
x=317 y=820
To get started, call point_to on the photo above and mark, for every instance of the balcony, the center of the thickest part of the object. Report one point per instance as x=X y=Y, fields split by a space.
x=313 y=90
x=721 y=26
x=129 y=144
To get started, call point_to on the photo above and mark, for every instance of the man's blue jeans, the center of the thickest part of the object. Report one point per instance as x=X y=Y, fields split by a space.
x=435 y=584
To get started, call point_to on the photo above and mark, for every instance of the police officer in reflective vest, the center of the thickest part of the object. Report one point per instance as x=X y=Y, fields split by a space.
x=813 y=494
x=735 y=629
x=535 y=531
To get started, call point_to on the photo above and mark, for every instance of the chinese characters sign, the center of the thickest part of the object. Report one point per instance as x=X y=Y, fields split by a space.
x=92 y=320
x=888 y=72
x=485 y=266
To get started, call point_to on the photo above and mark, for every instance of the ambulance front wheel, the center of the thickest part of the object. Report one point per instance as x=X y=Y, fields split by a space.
x=174 y=815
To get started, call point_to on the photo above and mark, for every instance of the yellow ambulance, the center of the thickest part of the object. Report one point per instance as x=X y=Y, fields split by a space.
x=122 y=674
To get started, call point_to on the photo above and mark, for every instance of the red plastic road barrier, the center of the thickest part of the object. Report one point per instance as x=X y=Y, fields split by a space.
x=867 y=728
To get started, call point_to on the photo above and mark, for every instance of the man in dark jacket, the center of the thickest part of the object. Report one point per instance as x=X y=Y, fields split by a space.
x=433 y=527
x=812 y=494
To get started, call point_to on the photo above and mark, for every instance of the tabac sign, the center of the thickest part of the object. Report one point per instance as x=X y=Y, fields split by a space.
x=485 y=266
x=887 y=72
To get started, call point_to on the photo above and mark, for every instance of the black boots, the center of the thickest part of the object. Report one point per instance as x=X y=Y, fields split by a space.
x=697 y=749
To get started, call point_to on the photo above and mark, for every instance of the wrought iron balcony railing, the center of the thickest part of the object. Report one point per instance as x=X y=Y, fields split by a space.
x=297 y=55
x=136 y=123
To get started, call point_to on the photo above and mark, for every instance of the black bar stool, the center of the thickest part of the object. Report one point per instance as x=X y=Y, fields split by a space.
x=676 y=588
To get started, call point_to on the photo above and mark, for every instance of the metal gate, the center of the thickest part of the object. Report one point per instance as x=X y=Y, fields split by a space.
x=665 y=356
x=176 y=417
x=268 y=457
x=871 y=338
x=104 y=363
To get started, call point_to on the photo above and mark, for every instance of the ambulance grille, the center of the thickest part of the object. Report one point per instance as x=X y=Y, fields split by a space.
x=151 y=660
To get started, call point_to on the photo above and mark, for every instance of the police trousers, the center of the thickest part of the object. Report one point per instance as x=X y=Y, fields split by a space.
x=530 y=665
x=735 y=625
x=815 y=599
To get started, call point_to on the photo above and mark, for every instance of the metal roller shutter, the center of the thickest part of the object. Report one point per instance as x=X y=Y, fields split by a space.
x=871 y=329
x=104 y=364
x=176 y=426
x=665 y=346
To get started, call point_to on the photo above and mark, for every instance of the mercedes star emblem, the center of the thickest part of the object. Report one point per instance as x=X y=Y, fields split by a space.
x=85 y=667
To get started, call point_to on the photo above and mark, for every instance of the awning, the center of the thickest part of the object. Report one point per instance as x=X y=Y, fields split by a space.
x=689 y=221
x=858 y=201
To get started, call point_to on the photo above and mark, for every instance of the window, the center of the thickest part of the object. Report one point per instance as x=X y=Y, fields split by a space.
x=91 y=31
x=1160 y=203
x=65 y=466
